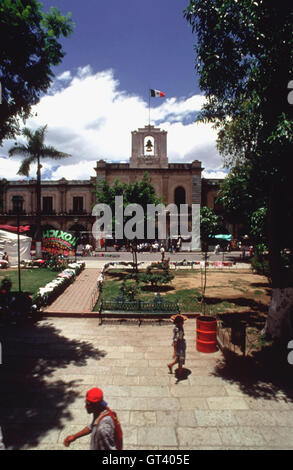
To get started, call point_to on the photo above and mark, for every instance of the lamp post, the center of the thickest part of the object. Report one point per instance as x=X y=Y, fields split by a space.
x=17 y=205
x=76 y=235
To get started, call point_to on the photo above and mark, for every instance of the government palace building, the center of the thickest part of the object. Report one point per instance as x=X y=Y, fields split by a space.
x=67 y=204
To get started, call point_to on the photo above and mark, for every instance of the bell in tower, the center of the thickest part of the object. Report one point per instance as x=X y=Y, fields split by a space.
x=149 y=148
x=149 y=145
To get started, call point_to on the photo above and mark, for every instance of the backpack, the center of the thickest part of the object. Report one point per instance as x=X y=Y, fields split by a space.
x=118 y=429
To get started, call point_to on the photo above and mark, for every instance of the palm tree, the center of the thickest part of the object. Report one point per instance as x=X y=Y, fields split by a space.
x=33 y=152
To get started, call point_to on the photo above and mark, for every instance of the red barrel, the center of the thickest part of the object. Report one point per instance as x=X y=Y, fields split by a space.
x=206 y=334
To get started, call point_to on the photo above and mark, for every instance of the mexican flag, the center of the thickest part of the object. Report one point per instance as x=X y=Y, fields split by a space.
x=157 y=94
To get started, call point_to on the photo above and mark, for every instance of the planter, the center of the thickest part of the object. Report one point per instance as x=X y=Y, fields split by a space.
x=46 y=295
x=206 y=334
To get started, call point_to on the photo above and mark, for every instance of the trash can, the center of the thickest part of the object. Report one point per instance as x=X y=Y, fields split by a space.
x=206 y=334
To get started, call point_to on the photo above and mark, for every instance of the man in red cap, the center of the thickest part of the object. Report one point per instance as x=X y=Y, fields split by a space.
x=102 y=428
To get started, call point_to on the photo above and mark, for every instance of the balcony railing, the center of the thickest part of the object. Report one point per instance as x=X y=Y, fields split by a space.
x=77 y=212
x=15 y=212
x=48 y=212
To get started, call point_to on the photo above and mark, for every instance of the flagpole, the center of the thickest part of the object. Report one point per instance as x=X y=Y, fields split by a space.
x=149 y=107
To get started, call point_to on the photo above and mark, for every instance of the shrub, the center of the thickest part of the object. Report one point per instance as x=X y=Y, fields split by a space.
x=157 y=274
x=6 y=284
x=56 y=263
x=130 y=290
x=260 y=266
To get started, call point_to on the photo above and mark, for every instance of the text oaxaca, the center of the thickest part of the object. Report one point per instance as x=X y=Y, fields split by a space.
x=59 y=235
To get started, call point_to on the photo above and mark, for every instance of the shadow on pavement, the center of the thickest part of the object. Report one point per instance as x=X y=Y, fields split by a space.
x=265 y=374
x=184 y=375
x=32 y=404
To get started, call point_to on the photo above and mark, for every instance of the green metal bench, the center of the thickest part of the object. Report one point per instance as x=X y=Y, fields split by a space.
x=158 y=308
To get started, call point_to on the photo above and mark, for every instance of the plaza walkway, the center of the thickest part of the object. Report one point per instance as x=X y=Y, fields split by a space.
x=218 y=405
x=80 y=297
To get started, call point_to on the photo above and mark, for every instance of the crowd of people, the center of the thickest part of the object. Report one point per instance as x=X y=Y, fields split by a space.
x=235 y=246
x=169 y=245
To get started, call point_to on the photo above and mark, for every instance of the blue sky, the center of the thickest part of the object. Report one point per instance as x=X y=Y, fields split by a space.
x=117 y=52
x=148 y=43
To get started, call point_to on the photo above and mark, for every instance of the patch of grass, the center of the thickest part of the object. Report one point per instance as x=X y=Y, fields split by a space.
x=31 y=279
x=221 y=307
x=111 y=289
x=189 y=298
x=257 y=292
x=185 y=272
x=238 y=285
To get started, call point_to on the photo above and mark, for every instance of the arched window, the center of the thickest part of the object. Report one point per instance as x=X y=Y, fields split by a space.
x=179 y=196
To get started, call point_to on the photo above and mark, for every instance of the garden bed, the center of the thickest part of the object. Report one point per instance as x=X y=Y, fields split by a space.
x=227 y=292
x=43 y=285
x=236 y=298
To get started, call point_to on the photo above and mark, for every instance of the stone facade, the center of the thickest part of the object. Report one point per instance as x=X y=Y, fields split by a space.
x=67 y=205
x=166 y=177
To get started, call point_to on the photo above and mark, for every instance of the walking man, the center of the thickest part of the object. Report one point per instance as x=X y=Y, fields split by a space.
x=105 y=429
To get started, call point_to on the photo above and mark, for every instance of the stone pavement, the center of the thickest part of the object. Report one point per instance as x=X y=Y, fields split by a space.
x=48 y=367
x=79 y=297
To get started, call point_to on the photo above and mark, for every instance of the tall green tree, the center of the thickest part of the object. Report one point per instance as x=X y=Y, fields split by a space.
x=209 y=222
x=244 y=59
x=30 y=48
x=235 y=197
x=33 y=152
x=241 y=196
x=141 y=192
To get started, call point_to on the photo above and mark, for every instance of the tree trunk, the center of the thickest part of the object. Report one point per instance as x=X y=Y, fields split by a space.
x=134 y=258
x=279 y=323
x=38 y=211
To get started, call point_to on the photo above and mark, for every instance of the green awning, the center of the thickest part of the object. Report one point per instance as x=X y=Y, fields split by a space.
x=228 y=238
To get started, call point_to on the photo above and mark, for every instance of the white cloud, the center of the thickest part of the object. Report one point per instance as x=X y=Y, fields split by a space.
x=214 y=174
x=9 y=168
x=174 y=109
x=91 y=118
x=65 y=76
x=79 y=171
